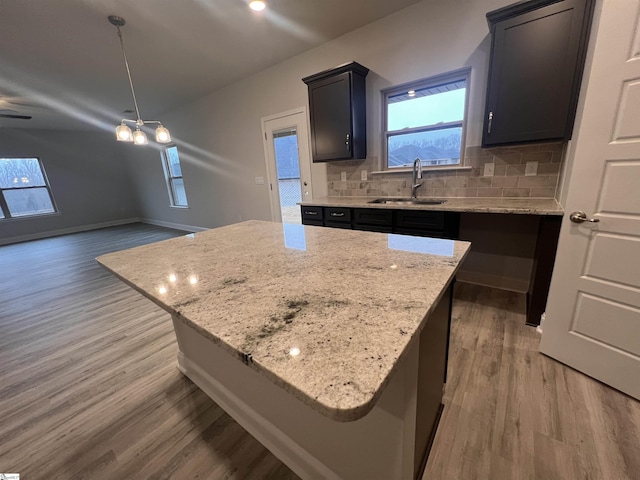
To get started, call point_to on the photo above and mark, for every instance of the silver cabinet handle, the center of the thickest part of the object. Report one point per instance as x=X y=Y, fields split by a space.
x=333 y=214
x=310 y=213
x=490 y=122
x=581 y=217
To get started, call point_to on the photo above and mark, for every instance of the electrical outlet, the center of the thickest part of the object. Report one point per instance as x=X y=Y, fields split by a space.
x=531 y=169
x=488 y=169
x=343 y=176
x=259 y=180
x=363 y=175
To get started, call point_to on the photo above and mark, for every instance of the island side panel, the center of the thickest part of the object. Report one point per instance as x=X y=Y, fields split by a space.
x=380 y=445
x=432 y=365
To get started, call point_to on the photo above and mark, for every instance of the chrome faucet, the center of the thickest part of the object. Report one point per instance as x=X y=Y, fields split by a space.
x=417 y=174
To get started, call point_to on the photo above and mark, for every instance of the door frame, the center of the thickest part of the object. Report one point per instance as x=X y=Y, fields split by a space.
x=304 y=146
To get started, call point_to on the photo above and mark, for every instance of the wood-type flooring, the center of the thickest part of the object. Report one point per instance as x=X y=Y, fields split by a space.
x=89 y=387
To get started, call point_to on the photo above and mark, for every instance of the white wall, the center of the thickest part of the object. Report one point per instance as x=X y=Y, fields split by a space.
x=88 y=179
x=219 y=136
x=502 y=249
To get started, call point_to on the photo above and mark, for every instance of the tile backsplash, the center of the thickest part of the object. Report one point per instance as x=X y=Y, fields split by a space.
x=508 y=180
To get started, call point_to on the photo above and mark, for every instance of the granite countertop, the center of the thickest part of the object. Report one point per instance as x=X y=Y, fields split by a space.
x=530 y=206
x=325 y=313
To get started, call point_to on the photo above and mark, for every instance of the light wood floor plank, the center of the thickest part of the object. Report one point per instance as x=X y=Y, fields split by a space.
x=512 y=413
x=89 y=387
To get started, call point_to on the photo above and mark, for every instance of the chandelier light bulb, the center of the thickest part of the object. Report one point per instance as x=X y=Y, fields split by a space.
x=162 y=135
x=257 y=5
x=139 y=137
x=123 y=133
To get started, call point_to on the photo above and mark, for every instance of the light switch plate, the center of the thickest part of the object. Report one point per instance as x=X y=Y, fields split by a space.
x=488 y=169
x=259 y=180
x=363 y=175
x=531 y=169
x=343 y=176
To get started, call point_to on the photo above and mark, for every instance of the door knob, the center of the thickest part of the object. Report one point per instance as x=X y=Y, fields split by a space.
x=581 y=217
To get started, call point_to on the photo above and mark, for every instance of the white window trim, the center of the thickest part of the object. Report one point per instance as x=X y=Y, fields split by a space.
x=169 y=177
x=416 y=85
x=5 y=207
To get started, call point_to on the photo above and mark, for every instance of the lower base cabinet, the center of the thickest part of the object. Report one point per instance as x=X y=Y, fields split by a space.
x=373 y=220
x=337 y=217
x=406 y=222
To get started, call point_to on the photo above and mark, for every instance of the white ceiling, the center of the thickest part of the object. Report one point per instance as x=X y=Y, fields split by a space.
x=60 y=60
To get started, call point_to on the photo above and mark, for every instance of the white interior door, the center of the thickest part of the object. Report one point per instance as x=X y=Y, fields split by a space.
x=593 y=312
x=286 y=145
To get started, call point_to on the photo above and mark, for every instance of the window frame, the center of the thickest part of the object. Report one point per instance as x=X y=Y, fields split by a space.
x=4 y=206
x=170 y=178
x=460 y=74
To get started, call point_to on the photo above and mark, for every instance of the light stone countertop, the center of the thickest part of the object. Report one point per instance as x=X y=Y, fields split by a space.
x=527 y=206
x=348 y=301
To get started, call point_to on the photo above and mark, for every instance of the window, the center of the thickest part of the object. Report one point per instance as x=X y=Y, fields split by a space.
x=24 y=190
x=426 y=120
x=173 y=174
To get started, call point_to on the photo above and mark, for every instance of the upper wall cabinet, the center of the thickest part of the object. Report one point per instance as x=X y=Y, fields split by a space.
x=337 y=109
x=538 y=51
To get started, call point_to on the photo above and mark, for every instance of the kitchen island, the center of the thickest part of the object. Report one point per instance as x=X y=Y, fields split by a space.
x=328 y=346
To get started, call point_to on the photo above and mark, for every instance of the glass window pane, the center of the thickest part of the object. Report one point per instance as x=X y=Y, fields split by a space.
x=179 y=193
x=436 y=147
x=286 y=150
x=173 y=161
x=426 y=106
x=30 y=201
x=20 y=172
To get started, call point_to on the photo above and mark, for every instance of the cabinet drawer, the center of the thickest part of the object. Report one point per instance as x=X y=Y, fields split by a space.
x=311 y=214
x=336 y=214
x=374 y=219
x=427 y=223
x=420 y=220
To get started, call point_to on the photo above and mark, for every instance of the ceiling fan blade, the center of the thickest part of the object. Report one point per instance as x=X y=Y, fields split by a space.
x=14 y=116
x=20 y=102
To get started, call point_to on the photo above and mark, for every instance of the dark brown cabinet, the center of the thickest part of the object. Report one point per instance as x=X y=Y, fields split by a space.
x=538 y=51
x=337 y=110
x=407 y=222
x=427 y=223
x=338 y=217
x=373 y=219
x=312 y=215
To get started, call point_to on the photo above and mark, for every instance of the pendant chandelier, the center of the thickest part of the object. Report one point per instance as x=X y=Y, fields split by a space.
x=123 y=131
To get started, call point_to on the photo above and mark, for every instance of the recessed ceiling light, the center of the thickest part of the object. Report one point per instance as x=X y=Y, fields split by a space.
x=257 y=5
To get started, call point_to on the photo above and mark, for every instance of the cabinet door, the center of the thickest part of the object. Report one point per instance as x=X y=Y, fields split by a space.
x=427 y=223
x=534 y=76
x=330 y=112
x=373 y=219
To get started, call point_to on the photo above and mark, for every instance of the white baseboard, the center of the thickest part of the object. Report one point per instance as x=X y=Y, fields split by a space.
x=283 y=447
x=176 y=226
x=66 y=231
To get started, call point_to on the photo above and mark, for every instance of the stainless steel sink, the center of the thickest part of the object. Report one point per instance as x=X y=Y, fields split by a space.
x=407 y=201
